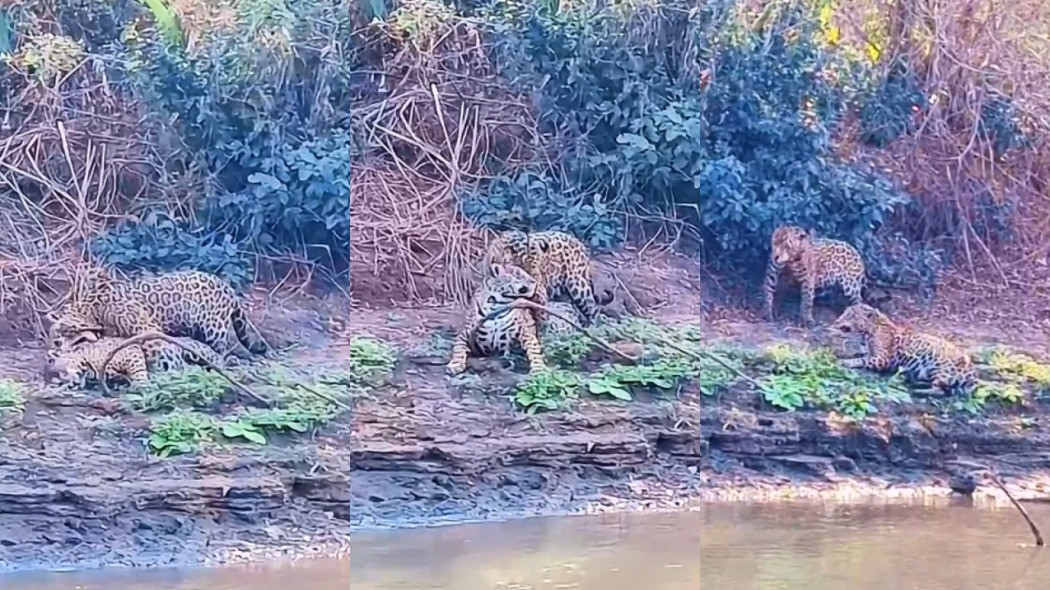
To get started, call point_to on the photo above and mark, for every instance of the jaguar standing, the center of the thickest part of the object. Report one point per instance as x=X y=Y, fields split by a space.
x=189 y=304
x=517 y=328
x=923 y=358
x=558 y=262
x=816 y=263
x=80 y=361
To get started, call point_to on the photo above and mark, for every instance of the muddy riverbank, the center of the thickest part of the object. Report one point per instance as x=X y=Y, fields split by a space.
x=446 y=459
x=82 y=484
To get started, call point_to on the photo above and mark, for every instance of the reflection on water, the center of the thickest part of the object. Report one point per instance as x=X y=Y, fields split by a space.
x=812 y=547
x=830 y=547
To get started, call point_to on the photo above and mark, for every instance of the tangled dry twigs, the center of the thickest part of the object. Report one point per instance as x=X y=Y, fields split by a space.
x=445 y=115
x=75 y=155
x=972 y=58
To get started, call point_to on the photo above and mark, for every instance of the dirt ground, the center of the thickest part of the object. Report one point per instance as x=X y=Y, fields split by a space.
x=427 y=452
x=78 y=487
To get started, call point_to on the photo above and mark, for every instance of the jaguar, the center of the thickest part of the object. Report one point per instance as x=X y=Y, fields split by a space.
x=558 y=262
x=191 y=304
x=923 y=358
x=482 y=335
x=816 y=263
x=80 y=361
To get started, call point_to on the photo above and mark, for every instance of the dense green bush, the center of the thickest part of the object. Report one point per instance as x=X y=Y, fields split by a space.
x=710 y=112
x=263 y=104
x=256 y=107
x=160 y=243
x=727 y=125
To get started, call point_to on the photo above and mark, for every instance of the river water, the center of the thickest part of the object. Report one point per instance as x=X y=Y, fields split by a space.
x=767 y=547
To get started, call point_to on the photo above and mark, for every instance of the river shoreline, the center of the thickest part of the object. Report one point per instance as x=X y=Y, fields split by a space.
x=79 y=491
x=597 y=460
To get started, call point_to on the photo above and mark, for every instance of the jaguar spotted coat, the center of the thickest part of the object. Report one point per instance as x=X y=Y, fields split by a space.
x=483 y=336
x=559 y=263
x=189 y=304
x=77 y=362
x=816 y=263
x=923 y=358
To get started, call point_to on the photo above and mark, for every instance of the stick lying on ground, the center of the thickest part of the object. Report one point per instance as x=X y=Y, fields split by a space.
x=995 y=479
x=146 y=336
x=606 y=346
x=528 y=304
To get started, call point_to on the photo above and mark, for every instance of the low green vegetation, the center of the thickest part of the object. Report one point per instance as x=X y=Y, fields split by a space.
x=787 y=377
x=662 y=368
x=1007 y=378
x=799 y=378
x=195 y=408
x=12 y=397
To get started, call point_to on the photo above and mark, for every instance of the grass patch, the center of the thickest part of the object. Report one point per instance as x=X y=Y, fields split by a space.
x=800 y=378
x=12 y=397
x=369 y=358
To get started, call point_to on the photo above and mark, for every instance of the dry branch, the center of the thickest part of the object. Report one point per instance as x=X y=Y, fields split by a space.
x=146 y=336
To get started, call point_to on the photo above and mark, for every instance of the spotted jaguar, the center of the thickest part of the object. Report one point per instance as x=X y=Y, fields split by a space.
x=503 y=334
x=816 y=263
x=189 y=304
x=923 y=358
x=80 y=361
x=559 y=263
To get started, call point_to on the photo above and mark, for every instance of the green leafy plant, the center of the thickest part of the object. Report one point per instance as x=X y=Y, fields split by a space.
x=1019 y=368
x=12 y=396
x=814 y=379
x=192 y=387
x=180 y=432
x=162 y=244
x=547 y=390
x=988 y=393
x=568 y=350
x=368 y=357
x=247 y=430
x=618 y=380
x=296 y=416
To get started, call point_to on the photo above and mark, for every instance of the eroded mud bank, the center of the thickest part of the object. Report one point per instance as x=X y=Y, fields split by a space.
x=78 y=487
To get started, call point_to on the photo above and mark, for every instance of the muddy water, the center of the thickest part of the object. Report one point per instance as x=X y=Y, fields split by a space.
x=727 y=546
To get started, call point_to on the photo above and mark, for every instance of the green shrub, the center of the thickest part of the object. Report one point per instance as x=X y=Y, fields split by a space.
x=728 y=127
x=161 y=244
x=261 y=103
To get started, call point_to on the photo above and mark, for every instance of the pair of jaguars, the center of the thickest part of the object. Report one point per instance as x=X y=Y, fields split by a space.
x=198 y=310
x=534 y=267
x=820 y=263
